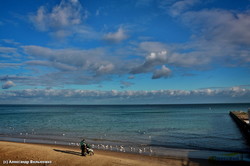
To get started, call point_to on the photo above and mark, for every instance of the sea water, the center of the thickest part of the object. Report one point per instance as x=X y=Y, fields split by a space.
x=131 y=128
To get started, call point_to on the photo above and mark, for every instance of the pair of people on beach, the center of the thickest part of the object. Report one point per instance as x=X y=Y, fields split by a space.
x=84 y=146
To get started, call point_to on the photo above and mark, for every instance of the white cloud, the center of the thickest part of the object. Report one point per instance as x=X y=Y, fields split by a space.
x=8 y=84
x=188 y=60
x=125 y=84
x=9 y=53
x=60 y=19
x=181 y=6
x=131 y=77
x=10 y=41
x=175 y=55
x=91 y=62
x=157 y=57
x=150 y=46
x=238 y=91
x=7 y=50
x=25 y=80
x=219 y=36
x=39 y=20
x=163 y=72
x=74 y=66
x=104 y=68
x=10 y=65
x=229 y=27
x=116 y=37
x=94 y=59
x=13 y=77
x=58 y=65
x=152 y=60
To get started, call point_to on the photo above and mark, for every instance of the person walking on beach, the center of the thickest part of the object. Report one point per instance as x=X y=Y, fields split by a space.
x=83 y=147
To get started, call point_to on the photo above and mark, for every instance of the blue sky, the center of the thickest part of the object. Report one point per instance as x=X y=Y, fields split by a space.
x=126 y=51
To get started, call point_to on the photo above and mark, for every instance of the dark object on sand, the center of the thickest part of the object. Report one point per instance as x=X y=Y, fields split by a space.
x=86 y=148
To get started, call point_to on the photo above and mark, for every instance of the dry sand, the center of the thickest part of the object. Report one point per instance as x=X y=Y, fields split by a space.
x=70 y=156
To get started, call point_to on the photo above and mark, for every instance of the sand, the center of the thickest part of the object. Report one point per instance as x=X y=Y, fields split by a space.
x=15 y=153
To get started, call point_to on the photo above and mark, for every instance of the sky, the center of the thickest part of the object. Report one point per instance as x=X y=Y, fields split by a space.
x=124 y=52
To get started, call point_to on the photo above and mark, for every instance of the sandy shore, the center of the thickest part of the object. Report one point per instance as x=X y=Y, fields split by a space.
x=70 y=156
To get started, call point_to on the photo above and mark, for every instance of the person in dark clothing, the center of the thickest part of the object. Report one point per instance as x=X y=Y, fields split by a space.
x=83 y=147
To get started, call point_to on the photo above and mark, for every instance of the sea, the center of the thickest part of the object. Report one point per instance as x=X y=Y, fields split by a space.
x=170 y=130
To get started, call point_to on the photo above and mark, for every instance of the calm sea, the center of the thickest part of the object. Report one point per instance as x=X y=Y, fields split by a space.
x=133 y=128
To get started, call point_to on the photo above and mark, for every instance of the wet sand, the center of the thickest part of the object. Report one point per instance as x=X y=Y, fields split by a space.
x=15 y=153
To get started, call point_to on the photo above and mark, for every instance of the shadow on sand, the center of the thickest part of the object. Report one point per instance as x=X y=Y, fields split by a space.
x=68 y=151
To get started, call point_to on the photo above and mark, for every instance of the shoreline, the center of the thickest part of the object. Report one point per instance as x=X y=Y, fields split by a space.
x=70 y=155
x=171 y=152
x=157 y=150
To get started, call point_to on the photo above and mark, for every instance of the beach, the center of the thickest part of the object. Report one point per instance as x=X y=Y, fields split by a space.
x=12 y=153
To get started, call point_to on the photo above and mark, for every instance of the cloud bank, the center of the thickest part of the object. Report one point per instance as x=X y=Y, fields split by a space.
x=113 y=96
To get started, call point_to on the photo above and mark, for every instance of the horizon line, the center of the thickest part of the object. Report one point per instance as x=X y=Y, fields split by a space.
x=138 y=104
